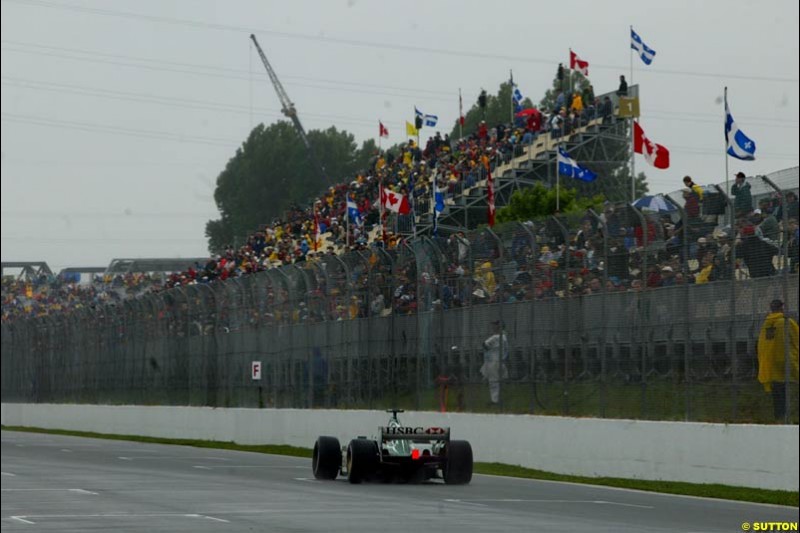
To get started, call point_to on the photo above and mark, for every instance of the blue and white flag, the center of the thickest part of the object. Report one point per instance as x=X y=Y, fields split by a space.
x=353 y=213
x=516 y=95
x=568 y=167
x=647 y=54
x=427 y=120
x=739 y=145
x=438 y=208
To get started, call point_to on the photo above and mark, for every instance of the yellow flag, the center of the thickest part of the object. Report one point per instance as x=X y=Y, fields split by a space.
x=411 y=130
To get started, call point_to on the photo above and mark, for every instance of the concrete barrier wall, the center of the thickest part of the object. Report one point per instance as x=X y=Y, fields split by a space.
x=743 y=455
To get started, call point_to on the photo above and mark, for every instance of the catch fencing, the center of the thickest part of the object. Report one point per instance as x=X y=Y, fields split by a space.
x=606 y=314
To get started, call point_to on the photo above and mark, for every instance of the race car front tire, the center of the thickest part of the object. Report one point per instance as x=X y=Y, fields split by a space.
x=327 y=458
x=458 y=463
x=362 y=460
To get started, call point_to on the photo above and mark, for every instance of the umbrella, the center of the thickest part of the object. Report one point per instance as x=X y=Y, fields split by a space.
x=529 y=111
x=653 y=203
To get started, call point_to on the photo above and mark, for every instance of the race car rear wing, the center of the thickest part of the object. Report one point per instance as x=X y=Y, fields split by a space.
x=414 y=433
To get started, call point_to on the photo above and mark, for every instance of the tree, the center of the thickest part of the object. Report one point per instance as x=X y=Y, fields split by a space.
x=579 y=83
x=497 y=111
x=539 y=201
x=272 y=170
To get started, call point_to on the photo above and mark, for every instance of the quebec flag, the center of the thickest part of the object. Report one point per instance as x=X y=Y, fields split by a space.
x=517 y=96
x=353 y=212
x=428 y=121
x=568 y=167
x=647 y=54
x=739 y=145
x=438 y=207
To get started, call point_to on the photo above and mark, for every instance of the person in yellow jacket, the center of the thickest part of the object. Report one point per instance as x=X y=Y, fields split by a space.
x=771 y=362
x=577 y=104
x=697 y=189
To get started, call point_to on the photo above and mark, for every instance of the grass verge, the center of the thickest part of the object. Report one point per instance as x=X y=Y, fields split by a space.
x=776 y=497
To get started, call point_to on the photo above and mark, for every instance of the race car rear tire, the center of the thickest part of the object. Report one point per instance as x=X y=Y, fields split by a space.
x=362 y=460
x=327 y=458
x=458 y=464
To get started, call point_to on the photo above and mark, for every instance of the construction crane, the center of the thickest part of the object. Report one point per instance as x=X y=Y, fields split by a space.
x=288 y=109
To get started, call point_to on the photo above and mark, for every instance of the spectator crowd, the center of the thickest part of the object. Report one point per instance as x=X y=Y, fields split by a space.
x=611 y=251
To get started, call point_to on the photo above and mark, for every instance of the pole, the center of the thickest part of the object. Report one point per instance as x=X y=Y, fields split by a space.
x=460 y=115
x=434 y=187
x=633 y=157
x=511 y=98
x=380 y=208
x=558 y=183
x=346 y=222
x=725 y=155
x=570 y=77
x=785 y=234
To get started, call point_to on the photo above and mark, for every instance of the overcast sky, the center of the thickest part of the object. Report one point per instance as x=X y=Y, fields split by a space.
x=117 y=117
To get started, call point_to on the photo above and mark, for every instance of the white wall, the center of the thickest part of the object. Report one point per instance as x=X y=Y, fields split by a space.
x=744 y=455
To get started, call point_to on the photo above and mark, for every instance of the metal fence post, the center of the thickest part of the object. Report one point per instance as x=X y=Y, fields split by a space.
x=786 y=318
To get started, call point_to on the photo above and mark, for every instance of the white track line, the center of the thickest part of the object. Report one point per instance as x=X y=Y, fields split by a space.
x=169 y=457
x=467 y=503
x=257 y=466
x=518 y=500
x=206 y=517
x=9 y=474
x=81 y=491
x=20 y=519
x=640 y=491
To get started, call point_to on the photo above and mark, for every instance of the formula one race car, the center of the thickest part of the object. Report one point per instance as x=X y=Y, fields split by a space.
x=399 y=454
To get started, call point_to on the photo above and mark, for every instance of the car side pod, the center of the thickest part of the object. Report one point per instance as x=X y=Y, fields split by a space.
x=362 y=460
x=458 y=463
x=326 y=460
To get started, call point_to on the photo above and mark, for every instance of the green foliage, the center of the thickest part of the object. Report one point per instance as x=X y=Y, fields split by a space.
x=498 y=111
x=272 y=170
x=539 y=201
x=578 y=84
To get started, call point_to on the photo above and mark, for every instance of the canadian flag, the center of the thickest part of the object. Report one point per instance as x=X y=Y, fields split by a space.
x=383 y=132
x=655 y=154
x=576 y=63
x=395 y=202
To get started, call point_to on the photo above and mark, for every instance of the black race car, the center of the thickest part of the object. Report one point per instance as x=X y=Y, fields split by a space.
x=400 y=453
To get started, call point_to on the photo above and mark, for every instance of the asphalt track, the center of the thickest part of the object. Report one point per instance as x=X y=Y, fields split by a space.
x=61 y=483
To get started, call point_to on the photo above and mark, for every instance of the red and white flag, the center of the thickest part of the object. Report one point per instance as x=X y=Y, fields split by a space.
x=395 y=202
x=655 y=154
x=383 y=132
x=460 y=109
x=576 y=63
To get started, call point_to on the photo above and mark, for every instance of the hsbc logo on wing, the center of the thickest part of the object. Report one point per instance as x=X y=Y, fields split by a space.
x=413 y=431
x=404 y=431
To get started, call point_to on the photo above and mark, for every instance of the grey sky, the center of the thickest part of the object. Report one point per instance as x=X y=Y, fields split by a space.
x=118 y=116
